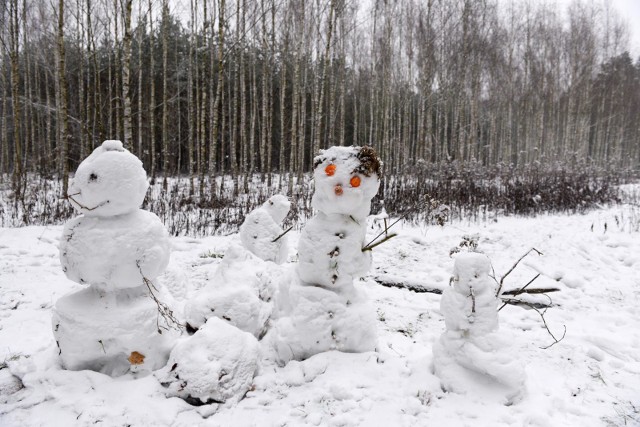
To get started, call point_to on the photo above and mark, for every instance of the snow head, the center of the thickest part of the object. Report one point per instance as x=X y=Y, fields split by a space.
x=346 y=179
x=111 y=181
x=278 y=207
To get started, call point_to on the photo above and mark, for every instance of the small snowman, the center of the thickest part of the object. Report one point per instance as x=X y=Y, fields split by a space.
x=471 y=356
x=117 y=250
x=261 y=232
x=322 y=310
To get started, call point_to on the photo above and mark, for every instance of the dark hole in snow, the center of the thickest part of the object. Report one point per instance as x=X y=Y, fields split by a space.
x=93 y=177
x=190 y=329
x=227 y=318
x=175 y=365
x=194 y=401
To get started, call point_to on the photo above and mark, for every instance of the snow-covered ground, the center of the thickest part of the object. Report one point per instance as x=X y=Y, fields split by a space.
x=590 y=378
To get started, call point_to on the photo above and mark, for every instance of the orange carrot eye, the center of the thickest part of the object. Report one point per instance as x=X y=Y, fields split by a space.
x=330 y=170
x=355 y=181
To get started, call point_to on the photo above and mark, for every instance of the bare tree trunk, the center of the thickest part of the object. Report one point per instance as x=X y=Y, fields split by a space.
x=126 y=75
x=165 y=95
x=152 y=97
x=140 y=73
x=322 y=82
x=219 y=93
x=64 y=132
x=14 y=29
x=190 y=102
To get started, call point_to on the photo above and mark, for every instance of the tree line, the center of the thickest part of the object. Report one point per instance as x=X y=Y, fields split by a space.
x=210 y=87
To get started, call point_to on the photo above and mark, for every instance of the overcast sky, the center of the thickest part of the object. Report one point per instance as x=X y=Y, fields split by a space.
x=630 y=11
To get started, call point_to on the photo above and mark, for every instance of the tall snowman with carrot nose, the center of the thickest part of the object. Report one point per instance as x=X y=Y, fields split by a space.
x=322 y=309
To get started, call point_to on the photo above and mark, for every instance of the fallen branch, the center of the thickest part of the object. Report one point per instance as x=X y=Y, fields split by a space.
x=415 y=287
x=519 y=302
x=516 y=292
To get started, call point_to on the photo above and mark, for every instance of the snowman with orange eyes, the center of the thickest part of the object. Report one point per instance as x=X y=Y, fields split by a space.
x=330 y=246
x=322 y=309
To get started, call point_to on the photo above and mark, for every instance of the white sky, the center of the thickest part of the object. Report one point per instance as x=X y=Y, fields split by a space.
x=629 y=10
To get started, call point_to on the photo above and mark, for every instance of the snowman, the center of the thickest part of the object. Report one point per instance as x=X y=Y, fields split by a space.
x=117 y=251
x=471 y=356
x=261 y=232
x=321 y=309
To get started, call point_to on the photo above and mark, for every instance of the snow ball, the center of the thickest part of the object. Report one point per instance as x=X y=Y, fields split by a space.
x=346 y=179
x=278 y=207
x=110 y=332
x=318 y=320
x=114 y=252
x=216 y=364
x=110 y=181
x=330 y=251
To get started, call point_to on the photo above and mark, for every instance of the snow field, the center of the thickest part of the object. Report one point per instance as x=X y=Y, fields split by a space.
x=589 y=379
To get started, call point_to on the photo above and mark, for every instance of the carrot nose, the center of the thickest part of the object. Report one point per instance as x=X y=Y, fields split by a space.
x=338 y=190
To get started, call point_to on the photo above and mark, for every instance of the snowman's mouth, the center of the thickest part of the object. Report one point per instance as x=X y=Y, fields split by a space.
x=99 y=205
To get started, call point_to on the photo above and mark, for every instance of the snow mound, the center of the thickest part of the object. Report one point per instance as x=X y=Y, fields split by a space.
x=240 y=293
x=216 y=364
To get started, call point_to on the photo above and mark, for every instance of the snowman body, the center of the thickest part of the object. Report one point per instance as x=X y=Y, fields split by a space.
x=261 y=232
x=118 y=250
x=321 y=309
x=471 y=356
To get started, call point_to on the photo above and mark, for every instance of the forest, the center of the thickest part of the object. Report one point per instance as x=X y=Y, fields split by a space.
x=442 y=89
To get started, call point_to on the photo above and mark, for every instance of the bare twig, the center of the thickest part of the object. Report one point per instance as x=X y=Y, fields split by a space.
x=70 y=196
x=370 y=246
x=280 y=236
x=385 y=231
x=163 y=309
x=536 y=307
x=522 y=289
x=555 y=340
x=473 y=300
x=514 y=266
